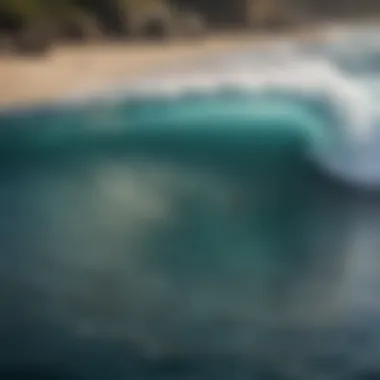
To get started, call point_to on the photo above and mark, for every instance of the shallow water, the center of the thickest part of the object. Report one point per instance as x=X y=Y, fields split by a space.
x=186 y=238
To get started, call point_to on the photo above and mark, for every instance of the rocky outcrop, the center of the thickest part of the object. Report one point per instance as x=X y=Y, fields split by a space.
x=6 y=45
x=150 y=20
x=271 y=15
x=191 y=24
x=33 y=40
x=82 y=28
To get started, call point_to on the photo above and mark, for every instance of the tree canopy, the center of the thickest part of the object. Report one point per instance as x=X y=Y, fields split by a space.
x=116 y=17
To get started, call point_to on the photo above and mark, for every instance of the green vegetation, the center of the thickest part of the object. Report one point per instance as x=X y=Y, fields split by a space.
x=119 y=17
x=32 y=10
x=85 y=19
x=76 y=19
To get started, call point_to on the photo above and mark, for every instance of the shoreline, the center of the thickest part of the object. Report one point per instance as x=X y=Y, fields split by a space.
x=92 y=68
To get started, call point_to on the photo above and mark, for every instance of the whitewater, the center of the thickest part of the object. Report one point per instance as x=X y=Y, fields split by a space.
x=341 y=72
x=335 y=81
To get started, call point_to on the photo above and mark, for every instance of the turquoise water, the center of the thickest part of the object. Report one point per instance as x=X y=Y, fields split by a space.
x=186 y=238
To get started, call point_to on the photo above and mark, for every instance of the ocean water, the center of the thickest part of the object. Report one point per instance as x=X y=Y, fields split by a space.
x=215 y=222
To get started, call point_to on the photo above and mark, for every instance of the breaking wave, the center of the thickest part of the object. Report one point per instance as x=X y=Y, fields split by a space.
x=198 y=224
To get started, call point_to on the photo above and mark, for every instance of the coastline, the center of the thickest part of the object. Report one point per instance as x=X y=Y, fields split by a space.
x=71 y=69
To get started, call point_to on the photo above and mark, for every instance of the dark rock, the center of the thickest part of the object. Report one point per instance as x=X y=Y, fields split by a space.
x=83 y=28
x=6 y=45
x=111 y=16
x=155 y=29
x=154 y=22
x=191 y=24
x=33 y=41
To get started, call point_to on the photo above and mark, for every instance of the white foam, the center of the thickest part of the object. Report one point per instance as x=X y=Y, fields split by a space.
x=303 y=76
x=287 y=67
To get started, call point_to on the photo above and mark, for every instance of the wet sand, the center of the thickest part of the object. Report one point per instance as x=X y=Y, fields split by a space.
x=72 y=69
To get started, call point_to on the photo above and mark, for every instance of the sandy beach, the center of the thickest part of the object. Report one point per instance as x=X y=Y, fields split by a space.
x=72 y=69
x=75 y=68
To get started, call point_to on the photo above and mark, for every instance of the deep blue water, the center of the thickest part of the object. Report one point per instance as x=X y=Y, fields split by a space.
x=191 y=238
